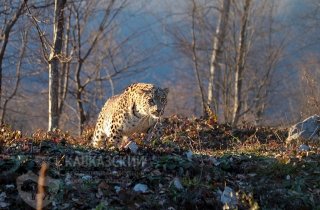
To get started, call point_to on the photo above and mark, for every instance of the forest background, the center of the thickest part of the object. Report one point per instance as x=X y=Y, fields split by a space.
x=253 y=61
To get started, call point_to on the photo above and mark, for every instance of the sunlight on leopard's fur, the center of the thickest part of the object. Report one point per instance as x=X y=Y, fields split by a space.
x=136 y=110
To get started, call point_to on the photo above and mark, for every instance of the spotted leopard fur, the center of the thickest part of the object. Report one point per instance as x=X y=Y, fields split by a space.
x=136 y=110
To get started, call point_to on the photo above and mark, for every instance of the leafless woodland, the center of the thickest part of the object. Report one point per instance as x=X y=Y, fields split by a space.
x=252 y=61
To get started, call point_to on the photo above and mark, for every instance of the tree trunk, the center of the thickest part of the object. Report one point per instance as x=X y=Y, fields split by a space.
x=65 y=69
x=82 y=115
x=5 y=37
x=54 y=64
x=195 y=60
x=18 y=76
x=218 y=41
x=79 y=89
x=240 y=64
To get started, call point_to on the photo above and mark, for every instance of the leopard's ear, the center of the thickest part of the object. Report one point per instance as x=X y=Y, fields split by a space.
x=166 y=90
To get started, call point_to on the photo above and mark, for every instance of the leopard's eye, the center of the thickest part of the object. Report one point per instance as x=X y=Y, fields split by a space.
x=151 y=102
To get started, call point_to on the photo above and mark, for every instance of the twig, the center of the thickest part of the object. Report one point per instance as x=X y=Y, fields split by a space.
x=41 y=183
x=43 y=39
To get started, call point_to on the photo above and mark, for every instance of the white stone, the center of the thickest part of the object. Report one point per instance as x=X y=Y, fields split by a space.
x=177 y=183
x=133 y=147
x=86 y=177
x=117 y=189
x=3 y=195
x=214 y=161
x=10 y=186
x=4 y=204
x=304 y=147
x=140 y=188
x=68 y=180
x=305 y=130
x=229 y=197
x=189 y=155
x=2 y=198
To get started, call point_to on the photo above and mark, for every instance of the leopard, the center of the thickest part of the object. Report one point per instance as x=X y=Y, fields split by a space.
x=136 y=110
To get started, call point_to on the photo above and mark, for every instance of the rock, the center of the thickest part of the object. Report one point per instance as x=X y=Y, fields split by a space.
x=117 y=189
x=52 y=186
x=189 y=155
x=4 y=205
x=305 y=130
x=68 y=180
x=229 y=198
x=214 y=161
x=10 y=186
x=3 y=195
x=132 y=146
x=140 y=188
x=86 y=178
x=99 y=194
x=288 y=177
x=304 y=147
x=177 y=183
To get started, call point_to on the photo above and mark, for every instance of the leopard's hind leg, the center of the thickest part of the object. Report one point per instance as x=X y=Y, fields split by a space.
x=99 y=139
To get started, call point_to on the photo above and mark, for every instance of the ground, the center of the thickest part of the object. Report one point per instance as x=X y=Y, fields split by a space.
x=192 y=167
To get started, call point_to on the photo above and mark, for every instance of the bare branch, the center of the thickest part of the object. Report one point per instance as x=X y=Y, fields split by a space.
x=5 y=37
x=18 y=75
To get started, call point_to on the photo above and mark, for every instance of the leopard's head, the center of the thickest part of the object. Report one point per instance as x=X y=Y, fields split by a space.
x=154 y=101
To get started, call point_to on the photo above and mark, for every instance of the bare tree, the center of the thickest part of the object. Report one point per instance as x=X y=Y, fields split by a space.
x=195 y=58
x=308 y=93
x=304 y=89
x=84 y=52
x=246 y=61
x=54 y=64
x=18 y=76
x=265 y=40
x=265 y=77
x=216 y=56
x=5 y=33
x=65 y=68
x=240 y=64
x=95 y=53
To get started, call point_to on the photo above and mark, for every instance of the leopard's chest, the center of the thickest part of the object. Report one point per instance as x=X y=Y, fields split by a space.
x=137 y=125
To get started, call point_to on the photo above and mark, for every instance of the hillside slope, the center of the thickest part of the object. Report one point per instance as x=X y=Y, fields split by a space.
x=197 y=164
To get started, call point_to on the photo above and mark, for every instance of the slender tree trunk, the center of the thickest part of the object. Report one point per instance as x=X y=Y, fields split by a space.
x=195 y=60
x=218 y=42
x=82 y=116
x=226 y=94
x=54 y=64
x=18 y=76
x=64 y=77
x=5 y=38
x=240 y=64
